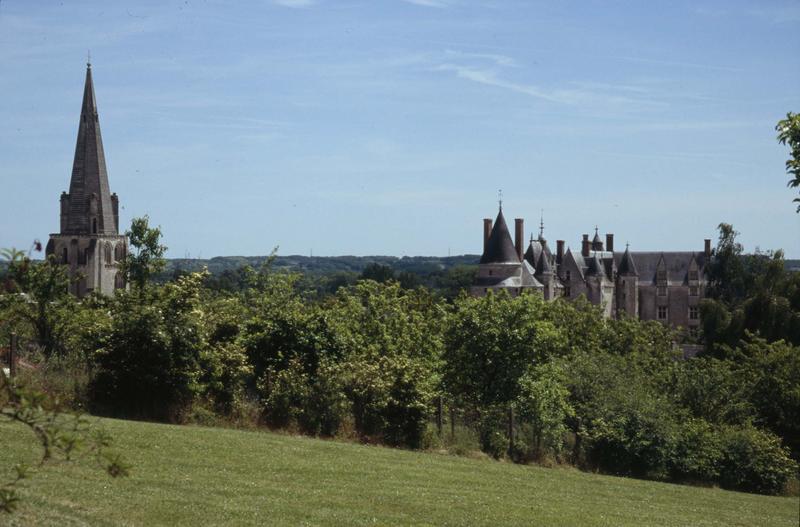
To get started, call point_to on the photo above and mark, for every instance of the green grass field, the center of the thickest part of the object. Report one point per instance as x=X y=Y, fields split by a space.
x=201 y=476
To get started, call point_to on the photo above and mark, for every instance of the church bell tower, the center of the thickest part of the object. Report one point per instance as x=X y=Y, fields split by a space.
x=88 y=240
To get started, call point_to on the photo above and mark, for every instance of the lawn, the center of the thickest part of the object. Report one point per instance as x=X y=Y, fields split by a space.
x=199 y=476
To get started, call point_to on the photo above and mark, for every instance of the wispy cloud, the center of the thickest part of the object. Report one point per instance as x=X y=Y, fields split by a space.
x=499 y=60
x=573 y=93
x=295 y=4
x=430 y=3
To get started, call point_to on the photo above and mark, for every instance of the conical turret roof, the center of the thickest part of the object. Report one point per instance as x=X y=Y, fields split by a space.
x=626 y=265
x=89 y=194
x=544 y=267
x=500 y=247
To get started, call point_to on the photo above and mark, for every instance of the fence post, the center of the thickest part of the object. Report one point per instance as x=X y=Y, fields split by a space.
x=452 y=421
x=12 y=356
x=510 y=431
x=439 y=412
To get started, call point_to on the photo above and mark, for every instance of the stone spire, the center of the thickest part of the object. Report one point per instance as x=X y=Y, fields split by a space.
x=89 y=208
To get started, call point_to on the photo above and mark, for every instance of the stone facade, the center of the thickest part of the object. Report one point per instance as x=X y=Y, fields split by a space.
x=663 y=286
x=88 y=240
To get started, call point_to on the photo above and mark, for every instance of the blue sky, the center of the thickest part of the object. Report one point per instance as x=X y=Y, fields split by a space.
x=388 y=126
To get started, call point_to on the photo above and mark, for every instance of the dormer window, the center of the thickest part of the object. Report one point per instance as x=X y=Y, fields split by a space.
x=662 y=290
x=693 y=276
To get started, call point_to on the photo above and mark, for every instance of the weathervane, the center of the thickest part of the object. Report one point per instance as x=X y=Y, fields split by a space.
x=500 y=197
x=89 y=57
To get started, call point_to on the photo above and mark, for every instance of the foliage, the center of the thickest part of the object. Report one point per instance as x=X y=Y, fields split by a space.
x=390 y=344
x=491 y=341
x=789 y=134
x=146 y=255
x=754 y=461
x=148 y=363
x=543 y=402
x=37 y=297
x=748 y=293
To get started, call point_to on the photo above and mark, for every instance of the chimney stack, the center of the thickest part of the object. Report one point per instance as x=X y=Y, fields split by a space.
x=487 y=230
x=609 y=242
x=585 y=246
x=559 y=251
x=708 y=248
x=519 y=235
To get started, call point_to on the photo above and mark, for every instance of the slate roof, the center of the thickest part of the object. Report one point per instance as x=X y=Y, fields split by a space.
x=89 y=174
x=595 y=266
x=500 y=247
x=532 y=253
x=626 y=264
x=677 y=264
x=543 y=266
x=597 y=243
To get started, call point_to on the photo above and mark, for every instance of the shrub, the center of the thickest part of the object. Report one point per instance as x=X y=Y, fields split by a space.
x=754 y=461
x=148 y=362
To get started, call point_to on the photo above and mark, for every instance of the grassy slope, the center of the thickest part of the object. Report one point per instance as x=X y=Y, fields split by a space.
x=192 y=476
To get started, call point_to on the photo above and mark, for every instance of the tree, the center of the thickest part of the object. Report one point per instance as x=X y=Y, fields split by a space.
x=490 y=342
x=147 y=257
x=44 y=303
x=543 y=402
x=379 y=272
x=789 y=134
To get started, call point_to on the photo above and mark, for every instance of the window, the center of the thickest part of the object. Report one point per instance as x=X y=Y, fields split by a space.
x=694 y=290
x=693 y=331
x=64 y=258
x=662 y=312
x=693 y=275
x=662 y=290
x=694 y=313
x=569 y=276
x=490 y=272
x=566 y=291
x=94 y=225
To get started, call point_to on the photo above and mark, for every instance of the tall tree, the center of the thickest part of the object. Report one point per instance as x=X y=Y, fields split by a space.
x=147 y=255
x=789 y=134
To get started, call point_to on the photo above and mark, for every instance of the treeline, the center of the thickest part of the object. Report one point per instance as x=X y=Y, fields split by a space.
x=376 y=361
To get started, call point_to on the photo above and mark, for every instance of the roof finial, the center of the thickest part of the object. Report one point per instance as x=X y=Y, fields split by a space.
x=627 y=245
x=500 y=198
x=541 y=224
x=596 y=229
x=88 y=58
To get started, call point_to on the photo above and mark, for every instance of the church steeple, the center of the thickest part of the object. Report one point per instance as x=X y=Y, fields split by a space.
x=89 y=208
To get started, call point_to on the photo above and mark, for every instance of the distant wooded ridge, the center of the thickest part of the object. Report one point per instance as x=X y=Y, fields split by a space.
x=331 y=264
x=325 y=264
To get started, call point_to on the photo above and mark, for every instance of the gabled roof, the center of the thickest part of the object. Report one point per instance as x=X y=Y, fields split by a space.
x=500 y=247
x=89 y=174
x=575 y=259
x=533 y=252
x=626 y=265
x=676 y=264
